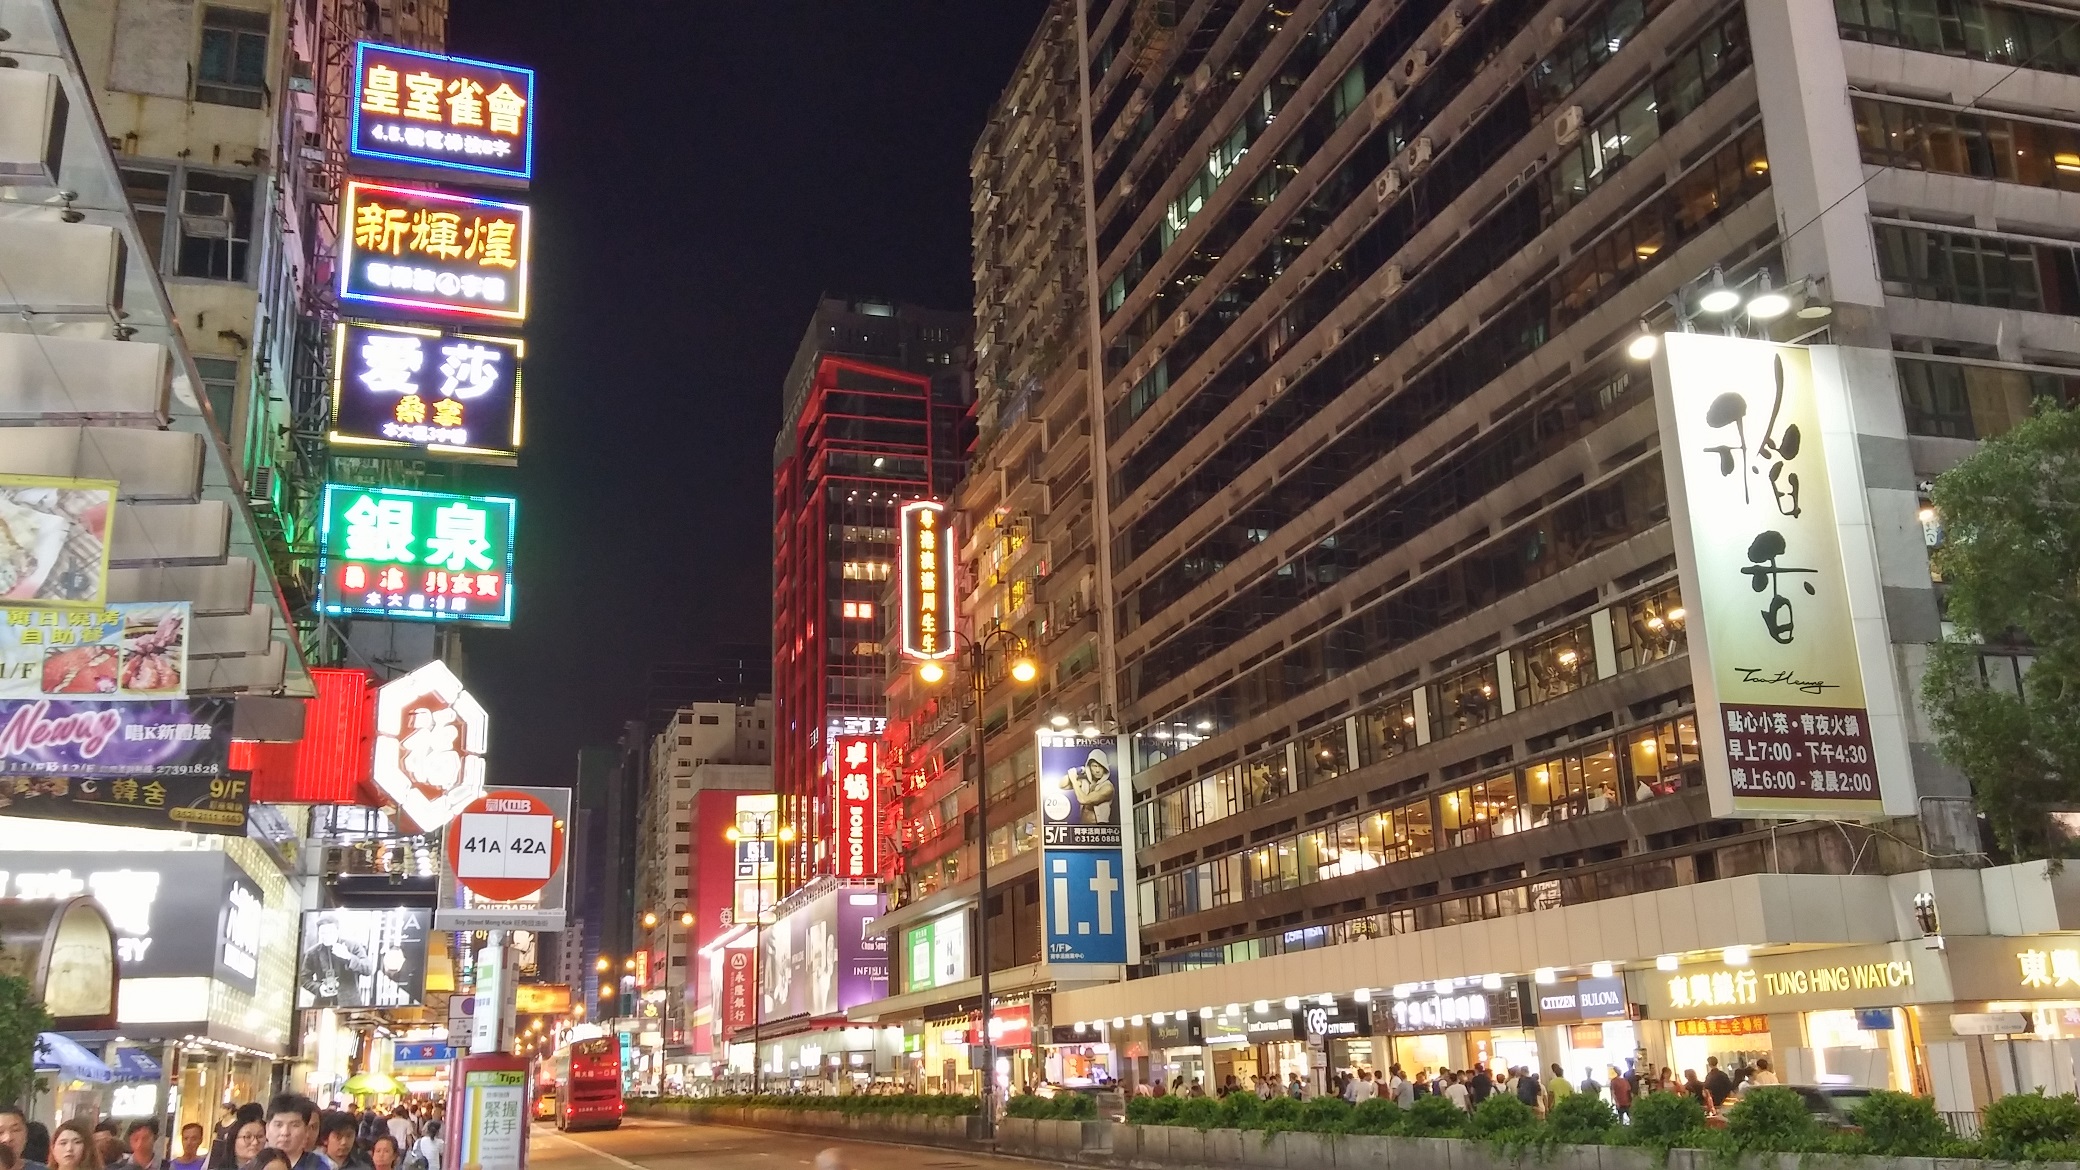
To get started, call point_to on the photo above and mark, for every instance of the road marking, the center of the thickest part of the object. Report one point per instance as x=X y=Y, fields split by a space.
x=624 y=1163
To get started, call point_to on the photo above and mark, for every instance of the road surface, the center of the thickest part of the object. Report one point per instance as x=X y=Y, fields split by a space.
x=648 y=1144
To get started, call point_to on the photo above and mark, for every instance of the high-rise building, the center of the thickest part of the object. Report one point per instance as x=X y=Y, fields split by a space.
x=874 y=415
x=1401 y=626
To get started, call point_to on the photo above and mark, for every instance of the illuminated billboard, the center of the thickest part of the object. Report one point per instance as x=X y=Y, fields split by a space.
x=436 y=251
x=431 y=736
x=400 y=386
x=417 y=555
x=927 y=580
x=858 y=843
x=450 y=113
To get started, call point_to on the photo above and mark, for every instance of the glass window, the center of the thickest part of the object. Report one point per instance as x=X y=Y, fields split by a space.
x=1650 y=628
x=1663 y=758
x=1554 y=665
x=232 y=69
x=1959 y=401
x=1467 y=700
x=1479 y=811
x=1387 y=730
x=216 y=226
x=1264 y=778
x=220 y=386
x=1325 y=754
x=148 y=192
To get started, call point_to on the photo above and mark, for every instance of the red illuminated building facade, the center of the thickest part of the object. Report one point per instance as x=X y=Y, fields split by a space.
x=876 y=415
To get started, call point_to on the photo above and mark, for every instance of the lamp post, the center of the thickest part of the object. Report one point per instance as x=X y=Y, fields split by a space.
x=650 y=921
x=973 y=653
x=765 y=829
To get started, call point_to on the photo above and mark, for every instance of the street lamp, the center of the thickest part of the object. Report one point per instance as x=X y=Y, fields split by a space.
x=650 y=921
x=765 y=828
x=974 y=655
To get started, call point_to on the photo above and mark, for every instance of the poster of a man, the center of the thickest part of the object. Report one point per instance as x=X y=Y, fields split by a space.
x=362 y=958
x=1079 y=801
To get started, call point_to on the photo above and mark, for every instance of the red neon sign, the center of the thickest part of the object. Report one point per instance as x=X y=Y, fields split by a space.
x=858 y=854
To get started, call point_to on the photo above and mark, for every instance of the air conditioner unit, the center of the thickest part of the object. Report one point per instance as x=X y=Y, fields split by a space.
x=1389 y=280
x=261 y=490
x=1420 y=153
x=1202 y=77
x=1567 y=126
x=1278 y=385
x=1386 y=186
x=206 y=214
x=1417 y=64
x=1452 y=26
x=1336 y=334
x=1183 y=322
x=1383 y=100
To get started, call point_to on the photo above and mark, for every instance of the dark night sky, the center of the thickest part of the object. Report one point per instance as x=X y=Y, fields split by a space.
x=704 y=170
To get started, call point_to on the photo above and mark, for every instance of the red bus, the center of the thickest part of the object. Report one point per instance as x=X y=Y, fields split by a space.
x=587 y=1076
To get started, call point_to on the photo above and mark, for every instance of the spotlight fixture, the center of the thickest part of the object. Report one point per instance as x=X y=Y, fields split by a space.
x=1767 y=304
x=1718 y=298
x=1058 y=721
x=1644 y=344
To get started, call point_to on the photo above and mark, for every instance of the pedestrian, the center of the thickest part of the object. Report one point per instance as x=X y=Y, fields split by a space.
x=1266 y=1088
x=14 y=1137
x=9 y=1160
x=1400 y=1087
x=1621 y=1094
x=1529 y=1090
x=1455 y=1090
x=108 y=1144
x=385 y=1154
x=247 y=1143
x=1364 y=1088
x=37 y=1151
x=1717 y=1085
x=292 y=1130
x=1480 y=1084
x=1294 y=1088
x=270 y=1158
x=370 y=1124
x=1198 y=1088
x=73 y=1147
x=400 y=1127
x=1692 y=1086
x=426 y=1152
x=1421 y=1087
x=1590 y=1086
x=1557 y=1087
x=191 y=1157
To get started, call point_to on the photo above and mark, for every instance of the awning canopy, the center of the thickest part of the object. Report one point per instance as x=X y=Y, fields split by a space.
x=56 y=1052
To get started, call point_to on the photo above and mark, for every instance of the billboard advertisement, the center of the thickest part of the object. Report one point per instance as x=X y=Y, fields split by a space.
x=821 y=957
x=857 y=848
x=415 y=555
x=433 y=251
x=194 y=804
x=936 y=954
x=443 y=392
x=129 y=650
x=446 y=113
x=54 y=539
x=155 y=901
x=1782 y=713
x=144 y=740
x=926 y=580
x=1082 y=853
x=362 y=959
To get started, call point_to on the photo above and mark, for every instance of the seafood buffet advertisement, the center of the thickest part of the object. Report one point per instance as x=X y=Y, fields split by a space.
x=130 y=650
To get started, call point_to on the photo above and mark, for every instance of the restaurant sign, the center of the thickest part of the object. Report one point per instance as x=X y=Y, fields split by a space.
x=449 y=113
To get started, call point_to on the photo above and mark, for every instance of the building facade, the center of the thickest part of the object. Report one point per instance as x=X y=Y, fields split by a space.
x=1396 y=635
x=874 y=415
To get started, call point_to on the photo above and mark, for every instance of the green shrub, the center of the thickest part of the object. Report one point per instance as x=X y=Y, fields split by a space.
x=2026 y=1125
x=1199 y=1113
x=1153 y=1110
x=1075 y=1106
x=1325 y=1114
x=1579 y=1119
x=927 y=1104
x=1664 y=1119
x=1376 y=1115
x=1902 y=1125
x=1501 y=1116
x=1773 y=1118
x=1433 y=1116
x=1239 y=1110
x=1281 y=1111
x=1028 y=1105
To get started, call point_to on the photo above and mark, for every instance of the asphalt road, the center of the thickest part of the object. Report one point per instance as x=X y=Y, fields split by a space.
x=646 y=1144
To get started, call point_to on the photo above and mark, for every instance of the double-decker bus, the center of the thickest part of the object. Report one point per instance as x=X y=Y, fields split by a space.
x=586 y=1076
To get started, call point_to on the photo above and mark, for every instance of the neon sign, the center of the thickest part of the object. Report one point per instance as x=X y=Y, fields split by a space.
x=430 y=556
x=450 y=113
x=858 y=857
x=927 y=580
x=398 y=386
x=418 y=249
x=431 y=736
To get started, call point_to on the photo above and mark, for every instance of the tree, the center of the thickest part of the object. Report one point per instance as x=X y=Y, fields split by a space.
x=2010 y=564
x=21 y=1018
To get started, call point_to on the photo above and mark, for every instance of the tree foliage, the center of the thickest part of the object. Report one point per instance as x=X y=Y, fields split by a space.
x=21 y=1018
x=2010 y=563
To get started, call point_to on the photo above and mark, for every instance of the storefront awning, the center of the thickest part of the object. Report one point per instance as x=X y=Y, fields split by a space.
x=56 y=1052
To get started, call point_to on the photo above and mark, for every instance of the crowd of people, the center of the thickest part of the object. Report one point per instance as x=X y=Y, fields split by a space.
x=290 y=1132
x=1467 y=1088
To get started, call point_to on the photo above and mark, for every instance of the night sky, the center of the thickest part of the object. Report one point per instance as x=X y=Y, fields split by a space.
x=703 y=172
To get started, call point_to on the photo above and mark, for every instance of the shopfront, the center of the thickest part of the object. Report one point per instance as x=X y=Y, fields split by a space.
x=1841 y=1015
x=1596 y=1031
x=1455 y=1024
x=1338 y=1033
x=1078 y=1056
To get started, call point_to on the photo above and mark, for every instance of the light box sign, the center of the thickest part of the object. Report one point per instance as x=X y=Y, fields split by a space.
x=402 y=553
x=128 y=650
x=1082 y=859
x=858 y=853
x=399 y=386
x=927 y=580
x=416 y=249
x=1782 y=711
x=451 y=113
x=431 y=738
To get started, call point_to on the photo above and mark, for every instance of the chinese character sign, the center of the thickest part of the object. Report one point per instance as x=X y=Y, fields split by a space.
x=433 y=556
x=927 y=580
x=1082 y=857
x=1780 y=689
x=395 y=385
x=416 y=249
x=450 y=113
x=129 y=650
x=431 y=737
x=852 y=759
